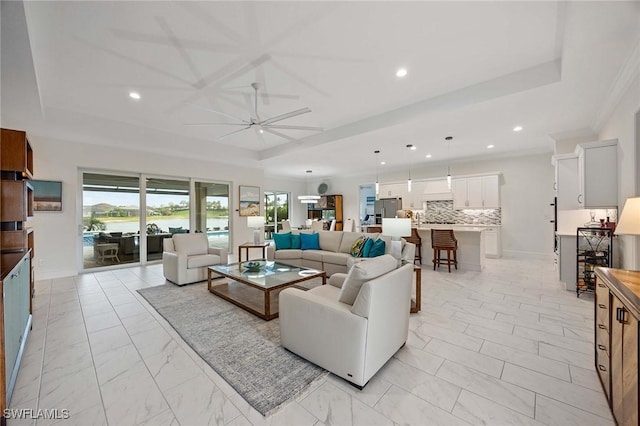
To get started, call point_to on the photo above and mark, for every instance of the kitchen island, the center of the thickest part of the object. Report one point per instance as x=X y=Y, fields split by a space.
x=471 y=256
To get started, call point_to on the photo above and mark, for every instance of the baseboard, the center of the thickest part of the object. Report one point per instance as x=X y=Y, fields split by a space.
x=517 y=254
x=51 y=275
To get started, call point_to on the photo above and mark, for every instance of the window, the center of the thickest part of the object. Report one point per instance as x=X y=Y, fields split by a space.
x=276 y=210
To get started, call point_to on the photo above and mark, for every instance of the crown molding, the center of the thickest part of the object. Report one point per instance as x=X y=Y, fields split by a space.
x=627 y=74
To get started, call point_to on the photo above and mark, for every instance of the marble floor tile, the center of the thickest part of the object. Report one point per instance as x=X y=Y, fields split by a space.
x=108 y=339
x=371 y=393
x=516 y=398
x=405 y=408
x=585 y=377
x=569 y=393
x=530 y=323
x=433 y=389
x=96 y=307
x=332 y=406
x=102 y=321
x=420 y=359
x=151 y=342
x=140 y=322
x=447 y=335
x=171 y=367
x=555 y=413
x=484 y=312
x=74 y=392
x=512 y=341
x=484 y=322
x=555 y=340
x=132 y=398
x=92 y=416
x=198 y=401
x=565 y=355
x=528 y=360
x=468 y=358
x=480 y=411
x=116 y=363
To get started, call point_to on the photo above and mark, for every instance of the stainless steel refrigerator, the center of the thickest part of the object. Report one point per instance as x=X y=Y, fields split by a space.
x=386 y=207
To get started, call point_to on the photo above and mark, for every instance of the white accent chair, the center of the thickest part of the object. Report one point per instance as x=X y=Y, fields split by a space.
x=348 y=225
x=286 y=226
x=317 y=225
x=186 y=257
x=355 y=340
x=332 y=227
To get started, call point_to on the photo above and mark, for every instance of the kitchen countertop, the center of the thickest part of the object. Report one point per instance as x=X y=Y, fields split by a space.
x=456 y=228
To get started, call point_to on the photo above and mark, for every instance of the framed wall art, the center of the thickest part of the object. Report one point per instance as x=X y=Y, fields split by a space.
x=249 y=200
x=47 y=195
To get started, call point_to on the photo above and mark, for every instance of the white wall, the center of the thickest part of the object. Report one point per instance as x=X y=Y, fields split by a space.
x=526 y=190
x=624 y=126
x=57 y=242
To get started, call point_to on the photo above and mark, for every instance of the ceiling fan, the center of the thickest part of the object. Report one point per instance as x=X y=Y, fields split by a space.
x=258 y=124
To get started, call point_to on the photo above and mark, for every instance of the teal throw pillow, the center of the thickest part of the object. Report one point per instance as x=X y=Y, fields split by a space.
x=357 y=246
x=295 y=241
x=310 y=241
x=283 y=241
x=377 y=249
x=366 y=249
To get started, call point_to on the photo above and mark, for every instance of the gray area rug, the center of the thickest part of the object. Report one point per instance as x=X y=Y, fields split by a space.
x=244 y=349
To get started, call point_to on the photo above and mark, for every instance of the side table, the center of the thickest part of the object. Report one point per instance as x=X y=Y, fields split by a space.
x=249 y=245
x=416 y=304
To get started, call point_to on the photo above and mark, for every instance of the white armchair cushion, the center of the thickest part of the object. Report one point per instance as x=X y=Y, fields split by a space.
x=190 y=244
x=364 y=271
x=200 y=260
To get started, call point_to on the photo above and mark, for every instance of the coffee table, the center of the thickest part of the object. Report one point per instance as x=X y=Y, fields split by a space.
x=257 y=290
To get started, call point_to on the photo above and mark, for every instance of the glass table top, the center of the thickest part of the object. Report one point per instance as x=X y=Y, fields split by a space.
x=265 y=273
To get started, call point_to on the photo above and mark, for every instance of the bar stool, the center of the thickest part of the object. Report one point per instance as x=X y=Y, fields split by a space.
x=443 y=239
x=415 y=239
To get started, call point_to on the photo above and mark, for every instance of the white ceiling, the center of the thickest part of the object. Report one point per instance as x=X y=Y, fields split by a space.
x=475 y=70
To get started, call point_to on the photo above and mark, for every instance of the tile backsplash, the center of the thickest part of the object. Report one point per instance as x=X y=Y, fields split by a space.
x=443 y=212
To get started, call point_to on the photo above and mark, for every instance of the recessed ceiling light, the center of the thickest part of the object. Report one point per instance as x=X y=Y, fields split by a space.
x=517 y=128
x=489 y=146
x=401 y=72
x=428 y=155
x=383 y=162
x=411 y=147
x=134 y=95
x=261 y=131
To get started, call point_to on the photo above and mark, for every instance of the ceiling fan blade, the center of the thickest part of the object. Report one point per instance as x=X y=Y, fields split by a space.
x=234 y=132
x=235 y=91
x=285 y=116
x=259 y=135
x=215 y=124
x=282 y=135
x=219 y=112
x=285 y=127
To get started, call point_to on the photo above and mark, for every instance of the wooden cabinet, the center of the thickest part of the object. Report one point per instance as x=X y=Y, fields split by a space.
x=588 y=178
x=480 y=192
x=17 y=155
x=327 y=208
x=617 y=312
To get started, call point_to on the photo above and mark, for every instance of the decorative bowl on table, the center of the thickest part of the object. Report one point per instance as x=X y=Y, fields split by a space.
x=252 y=266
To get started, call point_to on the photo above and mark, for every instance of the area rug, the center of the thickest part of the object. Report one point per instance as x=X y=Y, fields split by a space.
x=244 y=349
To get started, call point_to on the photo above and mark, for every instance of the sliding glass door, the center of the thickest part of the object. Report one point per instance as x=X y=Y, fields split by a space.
x=276 y=210
x=115 y=232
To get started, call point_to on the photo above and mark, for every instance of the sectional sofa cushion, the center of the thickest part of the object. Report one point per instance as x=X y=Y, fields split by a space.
x=348 y=238
x=282 y=241
x=335 y=258
x=364 y=271
x=366 y=249
x=310 y=241
x=289 y=254
x=330 y=240
x=311 y=254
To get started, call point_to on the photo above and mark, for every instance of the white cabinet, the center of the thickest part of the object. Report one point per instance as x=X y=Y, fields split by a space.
x=598 y=171
x=492 y=243
x=589 y=177
x=482 y=192
x=436 y=189
x=567 y=182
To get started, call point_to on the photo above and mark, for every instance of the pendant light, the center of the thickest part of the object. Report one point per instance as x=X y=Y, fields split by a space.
x=308 y=199
x=448 y=139
x=409 y=147
x=377 y=153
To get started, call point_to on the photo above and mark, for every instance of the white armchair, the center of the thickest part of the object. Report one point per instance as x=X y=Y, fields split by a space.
x=186 y=257
x=355 y=340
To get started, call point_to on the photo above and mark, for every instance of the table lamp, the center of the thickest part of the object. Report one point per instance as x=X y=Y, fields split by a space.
x=396 y=229
x=629 y=221
x=255 y=222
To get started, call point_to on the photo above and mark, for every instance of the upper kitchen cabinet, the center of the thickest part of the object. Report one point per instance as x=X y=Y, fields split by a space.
x=589 y=177
x=598 y=172
x=17 y=155
x=480 y=192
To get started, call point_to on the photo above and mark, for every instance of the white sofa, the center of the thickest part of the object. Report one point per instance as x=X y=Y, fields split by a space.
x=335 y=252
x=185 y=258
x=352 y=341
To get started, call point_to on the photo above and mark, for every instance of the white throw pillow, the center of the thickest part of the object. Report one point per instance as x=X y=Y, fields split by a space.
x=365 y=271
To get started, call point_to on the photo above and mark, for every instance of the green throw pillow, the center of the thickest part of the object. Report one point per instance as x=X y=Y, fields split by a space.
x=377 y=249
x=282 y=241
x=295 y=241
x=310 y=241
x=358 y=246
